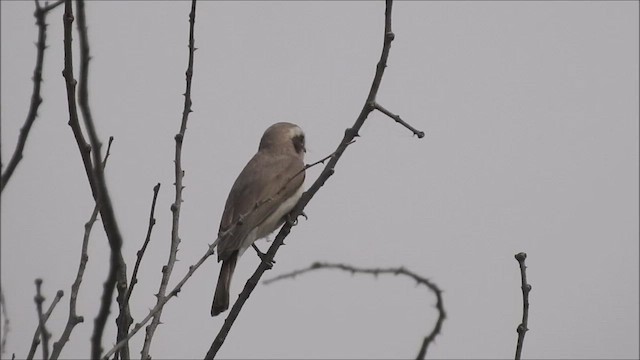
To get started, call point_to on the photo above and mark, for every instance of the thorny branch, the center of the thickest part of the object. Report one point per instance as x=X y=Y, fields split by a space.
x=73 y=318
x=41 y=321
x=163 y=301
x=375 y=272
x=526 y=288
x=329 y=169
x=140 y=253
x=95 y=175
x=41 y=15
x=179 y=174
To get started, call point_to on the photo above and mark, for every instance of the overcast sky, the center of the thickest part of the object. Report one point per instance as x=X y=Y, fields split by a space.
x=531 y=115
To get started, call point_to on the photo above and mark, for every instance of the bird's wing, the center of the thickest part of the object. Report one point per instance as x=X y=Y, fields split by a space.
x=265 y=182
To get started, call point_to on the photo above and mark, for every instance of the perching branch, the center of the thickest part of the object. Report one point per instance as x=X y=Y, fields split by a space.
x=329 y=169
x=41 y=15
x=74 y=319
x=190 y=272
x=375 y=272
x=42 y=319
x=179 y=174
x=526 y=288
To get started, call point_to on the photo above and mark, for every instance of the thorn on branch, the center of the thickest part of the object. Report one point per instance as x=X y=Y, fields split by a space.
x=376 y=272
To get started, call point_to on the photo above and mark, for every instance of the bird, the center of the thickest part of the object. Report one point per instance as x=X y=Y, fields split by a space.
x=260 y=200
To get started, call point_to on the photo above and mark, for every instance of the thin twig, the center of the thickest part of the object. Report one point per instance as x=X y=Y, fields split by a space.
x=44 y=334
x=526 y=288
x=49 y=7
x=5 y=323
x=329 y=169
x=41 y=15
x=179 y=174
x=42 y=320
x=73 y=318
x=418 y=133
x=375 y=272
x=140 y=253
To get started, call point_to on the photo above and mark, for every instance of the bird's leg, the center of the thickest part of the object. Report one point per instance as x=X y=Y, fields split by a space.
x=263 y=257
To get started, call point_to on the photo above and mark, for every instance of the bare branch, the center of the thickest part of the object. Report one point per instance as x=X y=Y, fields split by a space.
x=375 y=272
x=179 y=174
x=418 y=133
x=41 y=15
x=44 y=334
x=73 y=318
x=329 y=169
x=140 y=253
x=49 y=7
x=67 y=73
x=41 y=321
x=526 y=288
x=5 y=323
x=164 y=300
x=95 y=175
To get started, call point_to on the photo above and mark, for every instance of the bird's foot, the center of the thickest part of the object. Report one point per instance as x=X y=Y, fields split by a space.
x=263 y=257
x=294 y=221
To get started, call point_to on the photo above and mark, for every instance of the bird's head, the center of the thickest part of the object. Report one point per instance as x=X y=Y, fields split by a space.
x=283 y=137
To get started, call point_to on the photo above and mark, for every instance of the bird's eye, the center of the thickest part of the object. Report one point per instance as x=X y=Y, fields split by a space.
x=298 y=143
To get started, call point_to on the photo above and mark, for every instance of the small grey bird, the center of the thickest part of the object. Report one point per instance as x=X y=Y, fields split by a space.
x=260 y=200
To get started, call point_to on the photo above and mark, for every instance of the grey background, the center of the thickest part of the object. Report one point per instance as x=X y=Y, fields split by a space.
x=531 y=115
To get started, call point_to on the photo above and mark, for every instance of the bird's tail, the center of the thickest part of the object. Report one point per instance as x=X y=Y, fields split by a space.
x=221 y=296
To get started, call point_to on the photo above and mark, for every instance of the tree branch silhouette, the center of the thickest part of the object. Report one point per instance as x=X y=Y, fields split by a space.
x=42 y=320
x=140 y=253
x=329 y=169
x=74 y=319
x=375 y=272
x=179 y=174
x=41 y=15
x=174 y=292
x=526 y=288
x=95 y=174
x=44 y=334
